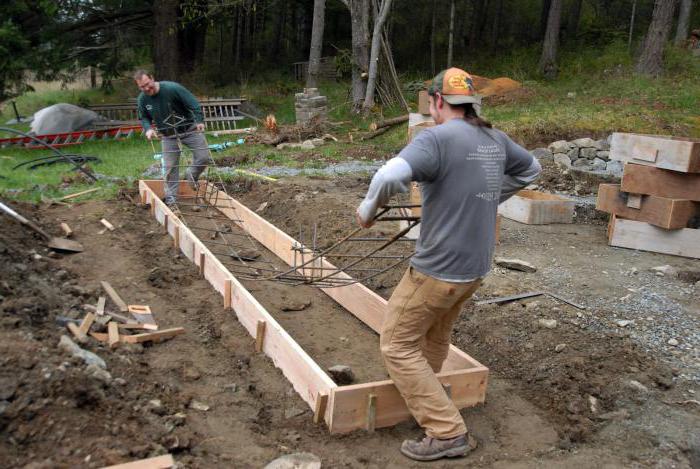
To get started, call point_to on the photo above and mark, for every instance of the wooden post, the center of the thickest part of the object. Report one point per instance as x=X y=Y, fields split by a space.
x=227 y=293
x=371 y=413
x=320 y=409
x=176 y=236
x=260 y=336
x=165 y=222
x=202 y=257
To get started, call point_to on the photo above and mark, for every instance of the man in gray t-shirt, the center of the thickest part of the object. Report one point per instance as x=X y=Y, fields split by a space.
x=465 y=169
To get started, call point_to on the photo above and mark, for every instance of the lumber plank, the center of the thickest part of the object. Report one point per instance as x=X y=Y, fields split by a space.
x=114 y=296
x=77 y=333
x=647 y=180
x=86 y=324
x=348 y=404
x=659 y=211
x=359 y=300
x=113 y=334
x=634 y=200
x=674 y=153
x=304 y=374
x=165 y=461
x=157 y=336
x=633 y=234
x=538 y=208
x=100 y=336
x=100 y=309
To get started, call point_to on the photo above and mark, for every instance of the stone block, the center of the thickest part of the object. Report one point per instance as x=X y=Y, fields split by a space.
x=588 y=153
x=573 y=154
x=560 y=146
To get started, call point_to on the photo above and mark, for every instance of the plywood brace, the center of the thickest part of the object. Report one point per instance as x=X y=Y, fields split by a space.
x=343 y=408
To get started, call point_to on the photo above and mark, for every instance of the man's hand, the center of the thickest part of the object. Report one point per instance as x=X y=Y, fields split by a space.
x=150 y=134
x=362 y=223
x=200 y=127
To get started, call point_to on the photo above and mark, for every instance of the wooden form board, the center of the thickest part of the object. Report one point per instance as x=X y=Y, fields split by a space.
x=538 y=208
x=645 y=237
x=674 y=153
x=639 y=179
x=659 y=211
x=346 y=404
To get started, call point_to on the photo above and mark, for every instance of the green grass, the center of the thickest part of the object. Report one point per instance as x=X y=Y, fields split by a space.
x=595 y=95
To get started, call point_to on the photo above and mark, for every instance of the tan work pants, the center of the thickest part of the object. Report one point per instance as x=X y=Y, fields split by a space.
x=414 y=342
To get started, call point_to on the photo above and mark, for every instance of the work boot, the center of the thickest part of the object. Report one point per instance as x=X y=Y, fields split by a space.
x=429 y=449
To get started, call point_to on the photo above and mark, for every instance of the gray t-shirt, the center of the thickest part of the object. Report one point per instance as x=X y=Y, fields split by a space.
x=461 y=169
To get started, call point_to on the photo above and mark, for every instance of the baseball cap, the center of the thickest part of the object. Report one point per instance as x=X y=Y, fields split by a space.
x=455 y=86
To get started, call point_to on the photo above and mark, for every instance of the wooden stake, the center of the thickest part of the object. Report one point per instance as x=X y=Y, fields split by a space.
x=121 y=304
x=101 y=305
x=107 y=224
x=176 y=236
x=113 y=333
x=371 y=413
x=227 y=293
x=159 y=462
x=260 y=336
x=202 y=257
x=320 y=410
x=66 y=230
x=165 y=222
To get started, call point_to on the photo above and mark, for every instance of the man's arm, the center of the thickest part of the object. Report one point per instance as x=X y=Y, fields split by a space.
x=391 y=179
x=522 y=169
x=144 y=115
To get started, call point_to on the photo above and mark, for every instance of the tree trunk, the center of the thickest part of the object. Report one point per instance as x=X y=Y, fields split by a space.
x=165 y=50
x=359 y=18
x=379 y=20
x=451 y=37
x=632 y=18
x=239 y=38
x=477 y=22
x=432 y=38
x=544 y=17
x=548 y=61
x=496 y=26
x=574 y=18
x=316 y=44
x=651 y=60
x=683 y=22
x=192 y=36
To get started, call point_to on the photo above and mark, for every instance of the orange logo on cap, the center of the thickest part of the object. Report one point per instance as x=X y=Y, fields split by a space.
x=459 y=82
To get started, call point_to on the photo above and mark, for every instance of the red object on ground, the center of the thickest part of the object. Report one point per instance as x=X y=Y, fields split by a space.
x=72 y=138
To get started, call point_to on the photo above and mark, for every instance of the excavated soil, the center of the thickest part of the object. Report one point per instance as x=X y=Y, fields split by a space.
x=586 y=393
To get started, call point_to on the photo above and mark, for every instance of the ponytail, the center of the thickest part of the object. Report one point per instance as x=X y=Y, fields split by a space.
x=472 y=117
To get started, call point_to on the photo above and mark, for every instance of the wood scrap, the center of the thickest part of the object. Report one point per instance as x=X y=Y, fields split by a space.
x=66 y=230
x=165 y=461
x=101 y=305
x=107 y=224
x=113 y=334
x=158 y=336
x=376 y=133
x=78 y=194
x=143 y=314
x=121 y=304
x=86 y=324
x=374 y=126
x=75 y=330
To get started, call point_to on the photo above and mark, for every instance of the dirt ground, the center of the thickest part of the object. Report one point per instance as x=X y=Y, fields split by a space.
x=603 y=388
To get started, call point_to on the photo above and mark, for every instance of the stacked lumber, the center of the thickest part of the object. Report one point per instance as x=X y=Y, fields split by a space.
x=657 y=205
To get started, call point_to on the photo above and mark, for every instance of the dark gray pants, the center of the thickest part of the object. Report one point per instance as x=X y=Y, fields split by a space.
x=196 y=142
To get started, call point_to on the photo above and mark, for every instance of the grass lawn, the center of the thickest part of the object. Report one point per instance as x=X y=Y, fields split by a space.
x=584 y=101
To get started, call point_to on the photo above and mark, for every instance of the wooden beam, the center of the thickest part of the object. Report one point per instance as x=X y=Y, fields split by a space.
x=157 y=336
x=659 y=211
x=114 y=296
x=538 y=208
x=159 y=462
x=645 y=237
x=113 y=333
x=640 y=179
x=674 y=153
x=306 y=377
x=260 y=336
x=371 y=422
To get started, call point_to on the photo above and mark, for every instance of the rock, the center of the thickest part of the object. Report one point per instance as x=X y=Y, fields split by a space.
x=559 y=348
x=533 y=305
x=573 y=154
x=88 y=357
x=603 y=145
x=665 y=270
x=342 y=374
x=615 y=167
x=293 y=412
x=548 y=323
x=8 y=388
x=603 y=155
x=233 y=387
x=515 y=264
x=317 y=142
x=3 y=407
x=196 y=405
x=562 y=160
x=672 y=342
x=560 y=146
x=120 y=381
x=542 y=153
x=298 y=306
x=623 y=322
x=585 y=143
x=598 y=165
x=98 y=373
x=582 y=163
x=637 y=386
x=588 y=153
x=156 y=406
x=593 y=404
x=307 y=145
x=296 y=461
x=191 y=374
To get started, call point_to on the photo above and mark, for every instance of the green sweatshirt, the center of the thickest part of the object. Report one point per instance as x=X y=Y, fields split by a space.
x=173 y=104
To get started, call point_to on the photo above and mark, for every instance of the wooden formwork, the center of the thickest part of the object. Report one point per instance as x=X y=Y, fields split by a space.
x=343 y=408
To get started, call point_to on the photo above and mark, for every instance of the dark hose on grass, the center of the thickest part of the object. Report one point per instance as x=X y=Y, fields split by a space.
x=68 y=158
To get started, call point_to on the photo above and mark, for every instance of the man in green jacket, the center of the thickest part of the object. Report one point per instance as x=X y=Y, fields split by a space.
x=170 y=110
